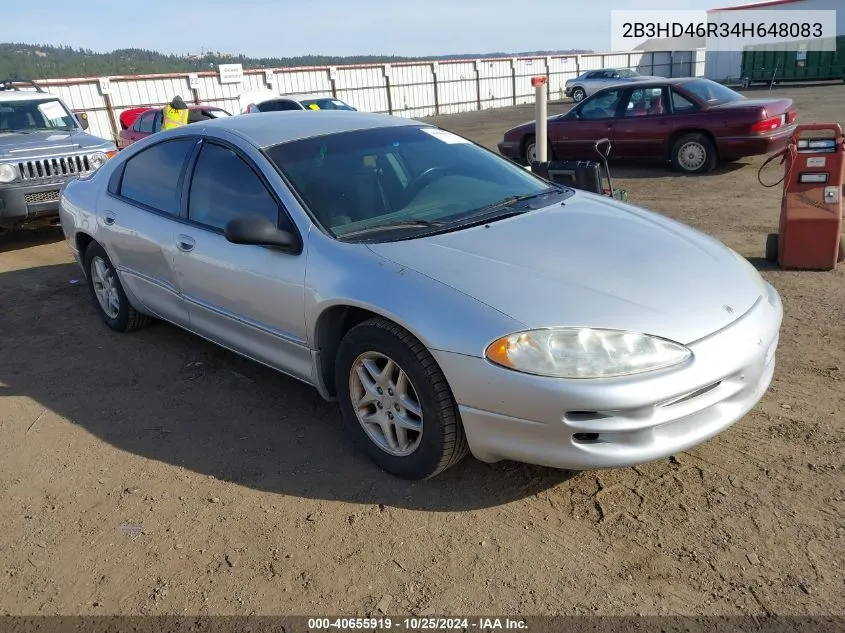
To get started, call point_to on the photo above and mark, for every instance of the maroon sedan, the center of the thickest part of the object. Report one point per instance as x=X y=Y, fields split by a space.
x=692 y=122
x=149 y=122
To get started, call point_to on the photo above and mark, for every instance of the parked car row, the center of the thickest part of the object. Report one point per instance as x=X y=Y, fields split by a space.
x=138 y=123
x=692 y=123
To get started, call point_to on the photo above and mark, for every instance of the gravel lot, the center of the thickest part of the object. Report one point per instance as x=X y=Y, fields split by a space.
x=155 y=473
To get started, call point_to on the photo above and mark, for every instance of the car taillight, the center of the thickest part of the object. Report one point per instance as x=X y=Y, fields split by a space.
x=766 y=125
x=791 y=117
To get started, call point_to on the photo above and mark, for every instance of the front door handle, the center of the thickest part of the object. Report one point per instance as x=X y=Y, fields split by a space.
x=185 y=243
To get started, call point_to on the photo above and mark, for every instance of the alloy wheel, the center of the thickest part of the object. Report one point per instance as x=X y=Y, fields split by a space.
x=386 y=404
x=105 y=288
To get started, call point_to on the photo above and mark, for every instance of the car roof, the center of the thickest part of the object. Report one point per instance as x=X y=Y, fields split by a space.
x=271 y=128
x=665 y=81
x=26 y=95
x=307 y=97
x=297 y=97
x=191 y=106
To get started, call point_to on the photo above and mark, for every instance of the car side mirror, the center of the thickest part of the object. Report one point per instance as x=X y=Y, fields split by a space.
x=259 y=231
x=82 y=119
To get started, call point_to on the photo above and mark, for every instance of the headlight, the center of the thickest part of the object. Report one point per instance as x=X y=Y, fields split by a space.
x=8 y=173
x=97 y=160
x=584 y=353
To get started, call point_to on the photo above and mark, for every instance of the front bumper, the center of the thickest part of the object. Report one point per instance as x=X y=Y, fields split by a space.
x=610 y=423
x=510 y=149
x=24 y=203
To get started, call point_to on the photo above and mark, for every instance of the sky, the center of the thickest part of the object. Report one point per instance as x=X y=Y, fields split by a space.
x=286 y=28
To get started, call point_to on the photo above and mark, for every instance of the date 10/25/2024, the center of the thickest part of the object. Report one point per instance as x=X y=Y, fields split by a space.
x=417 y=624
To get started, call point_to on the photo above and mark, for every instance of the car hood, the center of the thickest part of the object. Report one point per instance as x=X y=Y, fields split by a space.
x=18 y=145
x=595 y=262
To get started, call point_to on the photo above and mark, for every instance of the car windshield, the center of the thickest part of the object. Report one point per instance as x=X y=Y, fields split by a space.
x=406 y=179
x=34 y=115
x=628 y=74
x=712 y=92
x=327 y=103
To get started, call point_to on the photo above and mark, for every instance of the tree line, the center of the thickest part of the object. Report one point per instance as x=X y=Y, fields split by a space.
x=34 y=61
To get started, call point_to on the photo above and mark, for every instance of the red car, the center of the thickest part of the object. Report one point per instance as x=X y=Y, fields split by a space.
x=149 y=121
x=692 y=122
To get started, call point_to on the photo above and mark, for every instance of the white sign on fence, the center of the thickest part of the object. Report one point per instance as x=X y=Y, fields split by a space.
x=231 y=73
x=105 y=85
x=193 y=81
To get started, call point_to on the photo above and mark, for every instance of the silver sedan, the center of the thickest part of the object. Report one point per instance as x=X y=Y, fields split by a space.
x=449 y=300
x=591 y=81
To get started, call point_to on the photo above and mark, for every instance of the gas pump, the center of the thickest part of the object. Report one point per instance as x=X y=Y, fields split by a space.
x=810 y=225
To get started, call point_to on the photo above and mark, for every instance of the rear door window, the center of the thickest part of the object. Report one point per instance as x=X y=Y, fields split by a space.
x=277 y=105
x=151 y=177
x=144 y=124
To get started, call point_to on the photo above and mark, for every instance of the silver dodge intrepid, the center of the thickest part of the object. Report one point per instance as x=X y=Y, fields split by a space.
x=449 y=300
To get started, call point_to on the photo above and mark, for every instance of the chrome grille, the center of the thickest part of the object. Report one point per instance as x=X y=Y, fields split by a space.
x=59 y=167
x=42 y=196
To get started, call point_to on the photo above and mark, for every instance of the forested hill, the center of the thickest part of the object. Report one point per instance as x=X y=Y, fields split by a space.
x=32 y=61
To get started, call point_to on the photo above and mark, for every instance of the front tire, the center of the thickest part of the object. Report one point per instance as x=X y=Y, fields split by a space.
x=107 y=292
x=396 y=402
x=694 y=154
x=529 y=153
x=578 y=95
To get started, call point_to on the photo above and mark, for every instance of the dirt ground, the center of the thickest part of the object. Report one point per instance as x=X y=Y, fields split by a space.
x=154 y=473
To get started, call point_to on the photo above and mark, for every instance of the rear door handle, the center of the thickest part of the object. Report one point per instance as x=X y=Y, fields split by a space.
x=185 y=243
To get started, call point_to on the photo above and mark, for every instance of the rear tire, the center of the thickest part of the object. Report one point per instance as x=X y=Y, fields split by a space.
x=417 y=441
x=107 y=292
x=694 y=154
x=772 y=247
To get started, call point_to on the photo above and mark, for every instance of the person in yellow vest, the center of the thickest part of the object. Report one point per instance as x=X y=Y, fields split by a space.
x=175 y=114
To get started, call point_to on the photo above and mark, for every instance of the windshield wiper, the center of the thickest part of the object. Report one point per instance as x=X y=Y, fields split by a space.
x=506 y=202
x=396 y=225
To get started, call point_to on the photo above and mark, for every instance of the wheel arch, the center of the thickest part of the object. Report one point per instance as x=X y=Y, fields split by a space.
x=523 y=146
x=82 y=241
x=331 y=326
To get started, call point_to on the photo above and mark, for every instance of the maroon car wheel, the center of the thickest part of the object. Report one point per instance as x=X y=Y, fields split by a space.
x=529 y=154
x=694 y=154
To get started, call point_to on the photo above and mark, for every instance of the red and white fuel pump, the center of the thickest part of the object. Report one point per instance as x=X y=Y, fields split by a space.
x=810 y=227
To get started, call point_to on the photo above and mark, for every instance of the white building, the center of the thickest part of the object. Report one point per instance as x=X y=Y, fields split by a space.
x=726 y=66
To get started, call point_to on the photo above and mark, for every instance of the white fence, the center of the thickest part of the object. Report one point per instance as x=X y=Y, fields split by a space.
x=413 y=89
